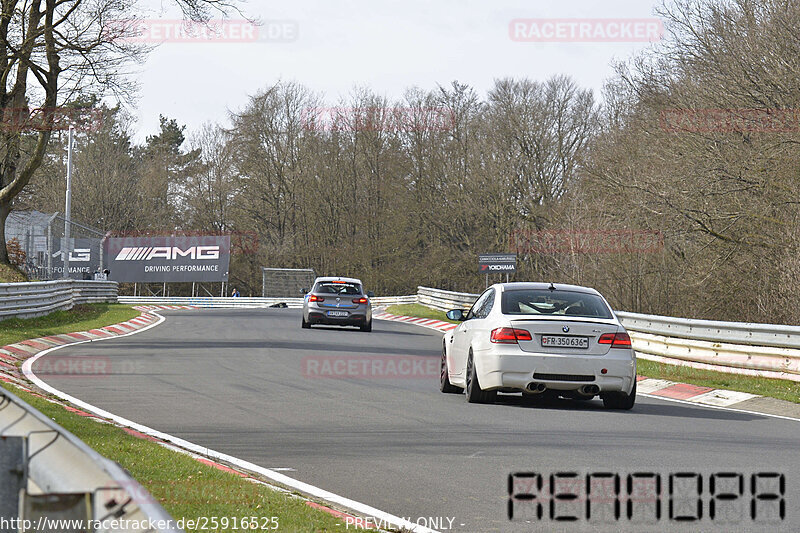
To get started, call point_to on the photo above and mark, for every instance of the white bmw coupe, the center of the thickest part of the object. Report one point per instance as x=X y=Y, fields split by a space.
x=539 y=338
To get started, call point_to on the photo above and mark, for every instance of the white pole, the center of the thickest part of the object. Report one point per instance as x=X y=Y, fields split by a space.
x=50 y=250
x=66 y=248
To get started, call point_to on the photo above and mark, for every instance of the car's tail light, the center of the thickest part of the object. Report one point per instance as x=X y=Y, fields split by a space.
x=616 y=340
x=360 y=300
x=315 y=298
x=509 y=335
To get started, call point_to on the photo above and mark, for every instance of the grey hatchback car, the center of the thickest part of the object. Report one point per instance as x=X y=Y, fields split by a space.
x=339 y=302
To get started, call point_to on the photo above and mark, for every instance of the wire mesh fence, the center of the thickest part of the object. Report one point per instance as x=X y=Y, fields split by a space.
x=285 y=282
x=37 y=245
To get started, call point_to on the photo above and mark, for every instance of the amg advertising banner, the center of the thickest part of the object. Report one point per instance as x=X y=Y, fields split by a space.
x=84 y=259
x=169 y=259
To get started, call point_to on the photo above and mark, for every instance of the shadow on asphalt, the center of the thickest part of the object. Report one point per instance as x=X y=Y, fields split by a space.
x=346 y=329
x=651 y=409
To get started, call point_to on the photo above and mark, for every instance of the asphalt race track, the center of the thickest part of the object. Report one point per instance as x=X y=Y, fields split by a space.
x=249 y=383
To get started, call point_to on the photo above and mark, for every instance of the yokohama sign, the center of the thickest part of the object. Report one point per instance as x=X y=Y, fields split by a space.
x=494 y=263
x=161 y=259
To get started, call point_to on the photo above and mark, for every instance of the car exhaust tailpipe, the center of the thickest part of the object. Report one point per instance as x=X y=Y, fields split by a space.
x=590 y=390
x=537 y=388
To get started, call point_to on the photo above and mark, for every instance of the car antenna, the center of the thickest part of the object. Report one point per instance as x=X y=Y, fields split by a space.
x=552 y=287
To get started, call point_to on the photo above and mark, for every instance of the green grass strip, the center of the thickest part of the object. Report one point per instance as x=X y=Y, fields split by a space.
x=783 y=389
x=418 y=310
x=79 y=318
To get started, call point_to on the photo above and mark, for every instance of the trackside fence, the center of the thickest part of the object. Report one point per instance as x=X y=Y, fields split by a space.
x=25 y=300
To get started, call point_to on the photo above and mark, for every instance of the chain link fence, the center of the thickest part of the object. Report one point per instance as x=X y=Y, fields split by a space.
x=36 y=244
x=286 y=282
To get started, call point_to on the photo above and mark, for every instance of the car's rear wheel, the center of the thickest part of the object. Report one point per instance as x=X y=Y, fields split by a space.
x=367 y=326
x=620 y=400
x=444 y=379
x=475 y=394
x=305 y=323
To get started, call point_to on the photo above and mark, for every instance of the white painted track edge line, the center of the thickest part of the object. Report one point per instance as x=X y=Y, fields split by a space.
x=363 y=509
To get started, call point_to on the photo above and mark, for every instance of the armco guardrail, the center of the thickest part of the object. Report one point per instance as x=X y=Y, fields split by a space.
x=761 y=349
x=766 y=349
x=87 y=292
x=749 y=333
x=444 y=300
x=230 y=303
x=48 y=474
x=25 y=300
x=394 y=300
x=215 y=302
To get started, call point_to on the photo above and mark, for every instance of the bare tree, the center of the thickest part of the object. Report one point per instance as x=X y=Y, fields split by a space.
x=51 y=51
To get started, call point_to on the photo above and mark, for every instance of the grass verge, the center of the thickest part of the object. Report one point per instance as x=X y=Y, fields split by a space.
x=185 y=487
x=783 y=389
x=79 y=318
x=10 y=274
x=418 y=310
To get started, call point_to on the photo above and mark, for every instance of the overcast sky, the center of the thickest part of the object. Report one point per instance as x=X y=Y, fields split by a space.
x=332 y=46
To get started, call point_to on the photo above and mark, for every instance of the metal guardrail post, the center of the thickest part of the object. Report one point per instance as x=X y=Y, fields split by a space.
x=13 y=476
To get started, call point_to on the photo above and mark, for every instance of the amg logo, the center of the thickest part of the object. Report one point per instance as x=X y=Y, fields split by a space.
x=78 y=255
x=167 y=252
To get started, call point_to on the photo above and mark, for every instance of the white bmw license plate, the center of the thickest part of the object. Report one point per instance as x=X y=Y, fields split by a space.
x=338 y=313
x=564 y=341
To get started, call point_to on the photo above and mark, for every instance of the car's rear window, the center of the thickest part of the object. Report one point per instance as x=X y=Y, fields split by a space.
x=330 y=287
x=544 y=302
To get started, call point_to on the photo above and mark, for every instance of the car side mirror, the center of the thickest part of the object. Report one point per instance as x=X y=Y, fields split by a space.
x=456 y=314
x=370 y=294
x=304 y=291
